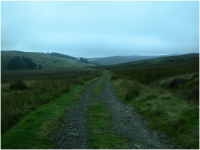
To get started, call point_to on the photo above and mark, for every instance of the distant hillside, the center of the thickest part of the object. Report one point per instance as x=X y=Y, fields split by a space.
x=183 y=60
x=121 y=59
x=47 y=61
x=94 y=58
x=62 y=56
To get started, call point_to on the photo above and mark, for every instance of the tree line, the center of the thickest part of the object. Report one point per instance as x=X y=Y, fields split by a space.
x=84 y=60
x=62 y=56
x=22 y=63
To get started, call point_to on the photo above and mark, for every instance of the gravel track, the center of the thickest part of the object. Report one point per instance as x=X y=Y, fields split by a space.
x=128 y=123
x=73 y=133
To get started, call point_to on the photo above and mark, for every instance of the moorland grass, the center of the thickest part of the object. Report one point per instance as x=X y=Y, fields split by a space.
x=34 y=131
x=15 y=103
x=162 y=77
x=188 y=91
x=177 y=117
x=149 y=75
x=30 y=75
x=18 y=85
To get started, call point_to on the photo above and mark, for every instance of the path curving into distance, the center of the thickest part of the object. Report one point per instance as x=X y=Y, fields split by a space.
x=126 y=122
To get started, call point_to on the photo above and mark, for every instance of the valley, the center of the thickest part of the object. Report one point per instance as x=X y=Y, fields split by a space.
x=146 y=104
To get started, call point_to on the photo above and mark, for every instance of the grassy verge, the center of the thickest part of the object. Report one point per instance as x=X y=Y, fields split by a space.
x=176 y=117
x=33 y=131
x=99 y=124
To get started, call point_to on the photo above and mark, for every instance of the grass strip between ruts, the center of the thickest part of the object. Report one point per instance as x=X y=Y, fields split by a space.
x=99 y=123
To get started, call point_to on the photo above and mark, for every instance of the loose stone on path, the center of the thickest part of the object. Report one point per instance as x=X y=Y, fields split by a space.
x=74 y=135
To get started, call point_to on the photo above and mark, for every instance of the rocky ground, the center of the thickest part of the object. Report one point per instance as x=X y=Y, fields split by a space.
x=73 y=133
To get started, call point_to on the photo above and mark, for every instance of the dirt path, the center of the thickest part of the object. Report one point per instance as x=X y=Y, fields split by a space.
x=73 y=134
x=125 y=122
x=128 y=123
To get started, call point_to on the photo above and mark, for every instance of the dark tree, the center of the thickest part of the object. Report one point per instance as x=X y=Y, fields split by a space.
x=83 y=60
x=17 y=63
x=14 y=63
x=86 y=61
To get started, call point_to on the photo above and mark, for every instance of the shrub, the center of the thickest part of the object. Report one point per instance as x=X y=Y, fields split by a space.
x=176 y=81
x=18 y=85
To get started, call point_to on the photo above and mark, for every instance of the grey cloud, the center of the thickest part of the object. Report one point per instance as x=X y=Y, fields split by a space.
x=101 y=28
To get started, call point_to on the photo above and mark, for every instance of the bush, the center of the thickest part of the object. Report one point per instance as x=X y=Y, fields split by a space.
x=18 y=85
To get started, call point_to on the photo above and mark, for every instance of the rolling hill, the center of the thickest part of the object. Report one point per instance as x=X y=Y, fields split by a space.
x=62 y=56
x=186 y=59
x=47 y=61
x=121 y=59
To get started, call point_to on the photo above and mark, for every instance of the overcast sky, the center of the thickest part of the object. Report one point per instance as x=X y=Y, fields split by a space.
x=101 y=28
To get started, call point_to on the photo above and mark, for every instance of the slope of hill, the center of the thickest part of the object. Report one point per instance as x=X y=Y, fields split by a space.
x=62 y=56
x=47 y=61
x=186 y=59
x=121 y=59
x=93 y=58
